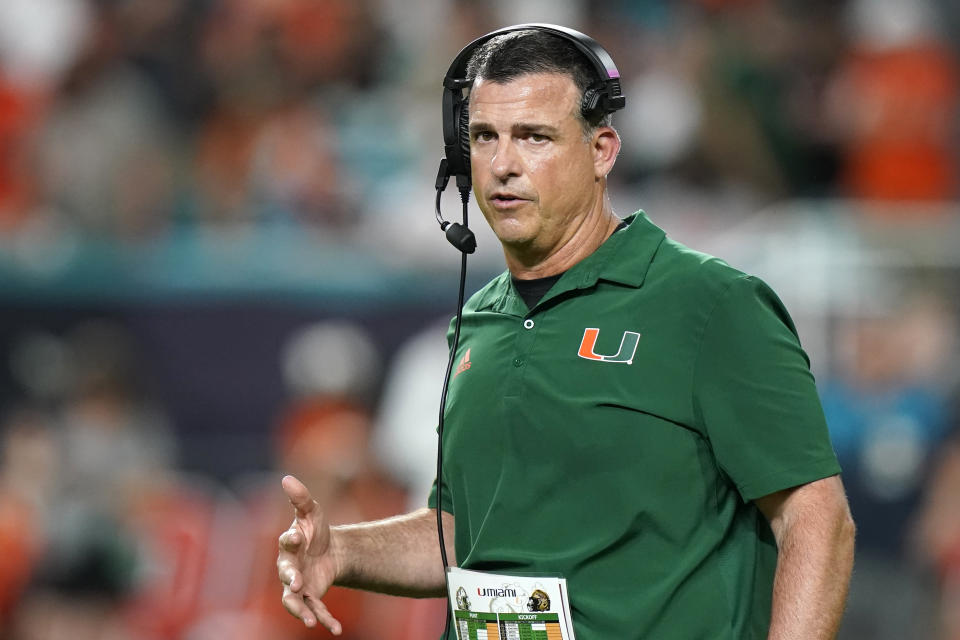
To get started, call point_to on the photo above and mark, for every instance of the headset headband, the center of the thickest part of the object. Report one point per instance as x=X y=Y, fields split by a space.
x=605 y=99
x=602 y=62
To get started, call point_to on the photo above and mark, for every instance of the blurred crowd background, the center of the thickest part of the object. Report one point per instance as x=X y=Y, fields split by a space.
x=219 y=264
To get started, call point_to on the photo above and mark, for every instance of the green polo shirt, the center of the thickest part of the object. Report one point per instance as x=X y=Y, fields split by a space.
x=616 y=434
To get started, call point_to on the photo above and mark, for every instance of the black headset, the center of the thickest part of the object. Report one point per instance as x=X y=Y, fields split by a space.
x=598 y=100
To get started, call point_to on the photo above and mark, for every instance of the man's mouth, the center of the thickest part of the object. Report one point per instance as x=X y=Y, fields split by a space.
x=506 y=200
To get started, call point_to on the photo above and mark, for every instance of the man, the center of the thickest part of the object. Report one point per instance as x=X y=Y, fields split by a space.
x=636 y=417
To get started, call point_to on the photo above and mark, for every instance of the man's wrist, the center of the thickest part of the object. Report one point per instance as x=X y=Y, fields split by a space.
x=338 y=554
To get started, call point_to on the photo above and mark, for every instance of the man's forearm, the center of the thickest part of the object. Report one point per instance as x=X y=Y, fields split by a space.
x=813 y=573
x=399 y=556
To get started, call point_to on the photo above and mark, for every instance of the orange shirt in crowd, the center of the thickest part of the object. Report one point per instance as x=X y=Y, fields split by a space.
x=902 y=106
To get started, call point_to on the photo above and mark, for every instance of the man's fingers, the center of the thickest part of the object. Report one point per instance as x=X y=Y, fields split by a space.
x=298 y=494
x=323 y=615
x=289 y=575
x=290 y=540
x=310 y=611
x=294 y=603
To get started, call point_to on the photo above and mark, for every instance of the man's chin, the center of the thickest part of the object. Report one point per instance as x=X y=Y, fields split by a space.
x=515 y=240
x=507 y=227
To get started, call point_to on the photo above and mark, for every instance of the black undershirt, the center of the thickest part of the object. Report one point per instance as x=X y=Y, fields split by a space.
x=531 y=291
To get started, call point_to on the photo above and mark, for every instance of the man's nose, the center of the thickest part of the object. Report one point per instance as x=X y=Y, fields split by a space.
x=506 y=161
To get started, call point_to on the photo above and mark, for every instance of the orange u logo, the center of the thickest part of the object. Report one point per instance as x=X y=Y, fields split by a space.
x=628 y=347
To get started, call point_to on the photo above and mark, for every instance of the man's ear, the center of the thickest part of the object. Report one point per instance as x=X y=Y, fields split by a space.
x=605 y=145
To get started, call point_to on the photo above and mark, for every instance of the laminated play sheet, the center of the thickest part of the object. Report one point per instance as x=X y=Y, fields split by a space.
x=495 y=606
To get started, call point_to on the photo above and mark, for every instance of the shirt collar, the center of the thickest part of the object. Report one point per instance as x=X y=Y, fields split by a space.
x=623 y=258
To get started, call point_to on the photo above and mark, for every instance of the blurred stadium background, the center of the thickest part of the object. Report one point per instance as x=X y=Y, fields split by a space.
x=218 y=264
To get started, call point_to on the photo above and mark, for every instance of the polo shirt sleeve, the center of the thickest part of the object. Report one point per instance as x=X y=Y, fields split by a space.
x=755 y=397
x=445 y=495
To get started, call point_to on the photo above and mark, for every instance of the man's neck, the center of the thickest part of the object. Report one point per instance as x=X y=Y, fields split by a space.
x=585 y=239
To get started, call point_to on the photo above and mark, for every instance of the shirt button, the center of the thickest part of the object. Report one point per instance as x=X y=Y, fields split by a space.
x=528 y=324
x=517 y=362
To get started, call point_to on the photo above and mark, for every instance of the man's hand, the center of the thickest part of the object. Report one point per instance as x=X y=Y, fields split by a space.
x=305 y=563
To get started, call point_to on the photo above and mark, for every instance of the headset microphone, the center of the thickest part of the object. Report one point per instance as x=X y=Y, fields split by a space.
x=459 y=235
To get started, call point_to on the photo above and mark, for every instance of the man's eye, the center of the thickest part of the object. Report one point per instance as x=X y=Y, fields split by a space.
x=483 y=136
x=538 y=138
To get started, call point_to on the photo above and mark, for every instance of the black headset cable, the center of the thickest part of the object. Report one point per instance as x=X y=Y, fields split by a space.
x=466 y=245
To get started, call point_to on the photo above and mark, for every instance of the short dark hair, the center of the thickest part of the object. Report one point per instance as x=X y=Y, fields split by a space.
x=506 y=57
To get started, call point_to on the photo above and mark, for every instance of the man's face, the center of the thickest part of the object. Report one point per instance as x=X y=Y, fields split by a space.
x=534 y=173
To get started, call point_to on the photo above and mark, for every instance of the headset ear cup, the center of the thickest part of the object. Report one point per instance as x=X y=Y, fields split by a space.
x=463 y=128
x=590 y=107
